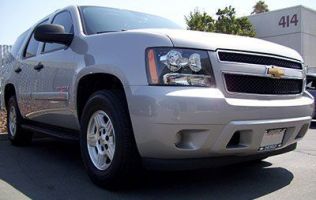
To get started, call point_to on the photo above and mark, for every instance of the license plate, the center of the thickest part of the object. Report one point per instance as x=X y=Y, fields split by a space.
x=272 y=139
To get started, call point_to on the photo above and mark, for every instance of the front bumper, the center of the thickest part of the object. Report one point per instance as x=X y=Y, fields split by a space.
x=179 y=123
x=203 y=163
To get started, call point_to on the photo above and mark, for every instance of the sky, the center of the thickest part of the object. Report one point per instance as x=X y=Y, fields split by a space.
x=16 y=16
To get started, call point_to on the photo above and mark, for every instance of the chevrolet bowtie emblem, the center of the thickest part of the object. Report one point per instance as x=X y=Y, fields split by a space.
x=275 y=72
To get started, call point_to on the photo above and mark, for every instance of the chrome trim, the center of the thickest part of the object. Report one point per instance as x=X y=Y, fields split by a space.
x=51 y=96
x=257 y=54
x=261 y=75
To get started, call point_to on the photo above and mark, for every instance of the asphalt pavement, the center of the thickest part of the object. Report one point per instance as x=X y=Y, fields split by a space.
x=52 y=169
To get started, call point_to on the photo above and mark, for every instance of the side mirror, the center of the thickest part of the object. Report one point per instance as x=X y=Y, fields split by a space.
x=52 y=33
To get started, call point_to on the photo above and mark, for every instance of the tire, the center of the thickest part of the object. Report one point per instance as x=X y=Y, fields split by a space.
x=16 y=134
x=105 y=121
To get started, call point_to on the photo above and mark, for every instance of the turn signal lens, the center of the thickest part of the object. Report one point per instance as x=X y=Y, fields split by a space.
x=152 y=67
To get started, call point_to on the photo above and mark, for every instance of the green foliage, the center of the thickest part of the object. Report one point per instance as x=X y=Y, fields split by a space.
x=245 y=27
x=200 y=21
x=260 y=7
x=226 y=22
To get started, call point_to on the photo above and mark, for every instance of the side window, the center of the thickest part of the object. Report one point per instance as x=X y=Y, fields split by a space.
x=32 y=45
x=64 y=19
x=31 y=48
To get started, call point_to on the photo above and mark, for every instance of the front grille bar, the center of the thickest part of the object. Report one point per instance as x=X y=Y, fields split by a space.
x=239 y=57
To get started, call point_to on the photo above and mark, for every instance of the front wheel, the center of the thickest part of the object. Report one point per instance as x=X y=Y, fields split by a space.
x=107 y=143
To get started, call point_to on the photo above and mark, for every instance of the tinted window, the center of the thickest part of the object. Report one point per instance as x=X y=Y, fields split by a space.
x=100 y=19
x=32 y=45
x=18 y=44
x=64 y=19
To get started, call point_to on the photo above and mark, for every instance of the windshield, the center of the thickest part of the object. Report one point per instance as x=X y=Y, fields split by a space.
x=101 y=19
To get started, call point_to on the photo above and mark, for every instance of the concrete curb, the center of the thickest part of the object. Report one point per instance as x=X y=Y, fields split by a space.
x=3 y=136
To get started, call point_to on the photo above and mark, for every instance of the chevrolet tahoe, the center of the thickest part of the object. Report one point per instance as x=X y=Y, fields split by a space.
x=138 y=90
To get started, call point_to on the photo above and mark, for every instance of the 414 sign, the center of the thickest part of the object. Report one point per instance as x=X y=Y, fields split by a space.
x=289 y=20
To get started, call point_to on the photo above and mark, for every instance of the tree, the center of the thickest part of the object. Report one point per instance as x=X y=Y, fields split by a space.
x=200 y=21
x=260 y=7
x=245 y=27
x=226 y=22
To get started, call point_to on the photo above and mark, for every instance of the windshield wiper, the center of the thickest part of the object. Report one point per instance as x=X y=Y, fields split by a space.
x=110 y=31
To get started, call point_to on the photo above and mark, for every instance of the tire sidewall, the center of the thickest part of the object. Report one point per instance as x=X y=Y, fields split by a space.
x=100 y=102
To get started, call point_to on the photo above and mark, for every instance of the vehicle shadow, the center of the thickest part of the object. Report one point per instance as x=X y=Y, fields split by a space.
x=52 y=169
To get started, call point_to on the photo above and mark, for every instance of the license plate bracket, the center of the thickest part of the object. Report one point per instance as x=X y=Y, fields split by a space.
x=272 y=139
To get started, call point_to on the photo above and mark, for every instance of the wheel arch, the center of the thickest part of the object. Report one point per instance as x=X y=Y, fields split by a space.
x=9 y=91
x=91 y=83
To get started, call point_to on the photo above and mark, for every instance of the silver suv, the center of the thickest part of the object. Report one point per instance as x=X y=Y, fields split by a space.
x=137 y=90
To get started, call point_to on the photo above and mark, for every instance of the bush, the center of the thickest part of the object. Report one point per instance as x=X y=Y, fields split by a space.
x=3 y=122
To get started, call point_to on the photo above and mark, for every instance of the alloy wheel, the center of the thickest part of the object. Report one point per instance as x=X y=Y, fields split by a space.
x=101 y=140
x=12 y=121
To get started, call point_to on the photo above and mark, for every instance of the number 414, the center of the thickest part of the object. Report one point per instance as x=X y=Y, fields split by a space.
x=286 y=22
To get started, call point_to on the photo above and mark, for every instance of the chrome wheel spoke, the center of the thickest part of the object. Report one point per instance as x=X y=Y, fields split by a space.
x=92 y=140
x=99 y=121
x=111 y=140
x=108 y=127
x=101 y=160
x=110 y=152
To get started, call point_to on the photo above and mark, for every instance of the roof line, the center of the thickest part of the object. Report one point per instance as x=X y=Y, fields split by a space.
x=277 y=10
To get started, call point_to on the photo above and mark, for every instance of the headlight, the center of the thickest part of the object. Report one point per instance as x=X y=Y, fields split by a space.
x=184 y=67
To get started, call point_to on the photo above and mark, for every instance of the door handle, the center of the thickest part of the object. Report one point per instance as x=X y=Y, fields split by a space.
x=18 y=70
x=39 y=67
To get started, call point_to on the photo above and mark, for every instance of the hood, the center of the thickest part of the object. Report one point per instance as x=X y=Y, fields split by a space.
x=214 y=41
